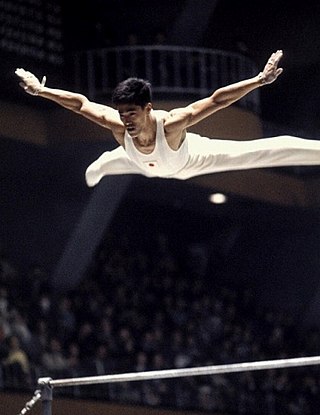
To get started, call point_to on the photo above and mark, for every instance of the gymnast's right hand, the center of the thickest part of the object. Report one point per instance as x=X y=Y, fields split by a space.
x=29 y=82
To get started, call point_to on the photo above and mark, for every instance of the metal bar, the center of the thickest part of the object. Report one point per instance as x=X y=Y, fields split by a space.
x=177 y=373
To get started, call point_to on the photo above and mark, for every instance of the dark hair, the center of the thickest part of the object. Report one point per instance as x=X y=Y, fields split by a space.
x=132 y=91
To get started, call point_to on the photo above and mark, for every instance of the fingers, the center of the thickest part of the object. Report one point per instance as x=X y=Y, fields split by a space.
x=24 y=75
x=277 y=54
x=21 y=72
x=275 y=57
x=279 y=71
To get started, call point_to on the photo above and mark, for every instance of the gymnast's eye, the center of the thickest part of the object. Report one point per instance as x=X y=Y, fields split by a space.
x=127 y=114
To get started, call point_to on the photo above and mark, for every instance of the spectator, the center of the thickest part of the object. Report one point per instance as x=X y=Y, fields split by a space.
x=17 y=365
x=87 y=340
x=53 y=359
x=66 y=319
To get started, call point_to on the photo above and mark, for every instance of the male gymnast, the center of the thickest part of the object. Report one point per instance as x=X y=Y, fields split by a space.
x=156 y=143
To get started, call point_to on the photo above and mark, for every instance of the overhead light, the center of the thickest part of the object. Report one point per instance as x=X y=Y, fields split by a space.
x=218 y=198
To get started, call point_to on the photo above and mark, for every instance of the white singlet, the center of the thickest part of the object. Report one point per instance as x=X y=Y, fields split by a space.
x=162 y=161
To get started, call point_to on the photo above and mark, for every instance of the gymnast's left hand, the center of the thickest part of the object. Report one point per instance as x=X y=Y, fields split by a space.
x=271 y=71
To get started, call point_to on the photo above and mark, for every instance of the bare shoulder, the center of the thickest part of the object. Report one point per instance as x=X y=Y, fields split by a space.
x=172 y=118
x=173 y=131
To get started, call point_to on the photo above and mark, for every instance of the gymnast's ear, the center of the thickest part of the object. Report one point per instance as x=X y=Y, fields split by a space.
x=148 y=107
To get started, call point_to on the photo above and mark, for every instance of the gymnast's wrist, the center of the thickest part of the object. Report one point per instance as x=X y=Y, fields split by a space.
x=38 y=91
x=262 y=79
x=41 y=86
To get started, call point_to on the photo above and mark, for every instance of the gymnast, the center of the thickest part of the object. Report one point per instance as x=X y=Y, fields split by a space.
x=156 y=143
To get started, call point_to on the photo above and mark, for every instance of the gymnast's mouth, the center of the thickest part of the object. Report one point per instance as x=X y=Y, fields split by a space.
x=130 y=128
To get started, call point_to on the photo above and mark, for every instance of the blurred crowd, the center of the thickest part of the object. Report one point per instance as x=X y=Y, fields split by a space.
x=141 y=306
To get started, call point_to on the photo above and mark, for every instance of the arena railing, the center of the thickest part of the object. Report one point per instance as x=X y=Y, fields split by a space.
x=175 y=72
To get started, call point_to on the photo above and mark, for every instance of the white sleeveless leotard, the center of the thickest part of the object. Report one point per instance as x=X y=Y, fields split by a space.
x=163 y=161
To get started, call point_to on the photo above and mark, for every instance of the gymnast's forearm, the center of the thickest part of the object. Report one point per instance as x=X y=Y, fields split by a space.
x=227 y=95
x=69 y=100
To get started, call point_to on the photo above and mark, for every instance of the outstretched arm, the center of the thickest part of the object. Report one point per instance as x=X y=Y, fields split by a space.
x=182 y=118
x=100 y=114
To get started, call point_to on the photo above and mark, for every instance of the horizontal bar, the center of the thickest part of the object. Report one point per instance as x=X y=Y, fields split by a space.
x=177 y=373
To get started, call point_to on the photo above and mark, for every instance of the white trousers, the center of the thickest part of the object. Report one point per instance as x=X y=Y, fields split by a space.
x=217 y=155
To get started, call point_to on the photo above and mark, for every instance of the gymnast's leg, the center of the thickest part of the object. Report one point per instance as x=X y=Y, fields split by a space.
x=110 y=163
x=212 y=155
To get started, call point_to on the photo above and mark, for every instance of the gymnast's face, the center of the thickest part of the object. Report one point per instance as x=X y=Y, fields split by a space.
x=134 y=117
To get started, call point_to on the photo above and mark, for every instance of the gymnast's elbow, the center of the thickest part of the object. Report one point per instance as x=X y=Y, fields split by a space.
x=81 y=104
x=221 y=102
x=75 y=102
